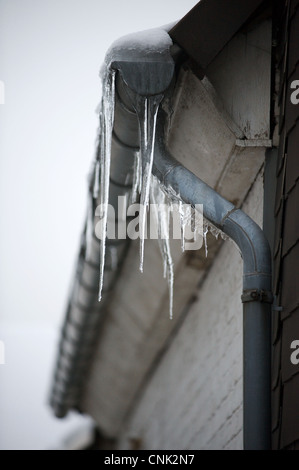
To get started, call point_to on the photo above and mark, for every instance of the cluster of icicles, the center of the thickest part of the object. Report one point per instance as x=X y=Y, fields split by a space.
x=146 y=188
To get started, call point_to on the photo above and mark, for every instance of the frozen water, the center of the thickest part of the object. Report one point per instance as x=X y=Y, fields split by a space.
x=147 y=109
x=139 y=44
x=145 y=188
x=162 y=207
x=137 y=178
x=205 y=232
x=105 y=159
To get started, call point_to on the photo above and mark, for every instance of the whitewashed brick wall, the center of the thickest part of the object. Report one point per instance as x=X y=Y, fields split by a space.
x=193 y=399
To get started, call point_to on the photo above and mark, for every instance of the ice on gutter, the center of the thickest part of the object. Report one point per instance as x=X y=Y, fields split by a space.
x=141 y=59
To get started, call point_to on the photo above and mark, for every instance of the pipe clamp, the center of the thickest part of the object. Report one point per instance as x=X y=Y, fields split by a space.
x=257 y=295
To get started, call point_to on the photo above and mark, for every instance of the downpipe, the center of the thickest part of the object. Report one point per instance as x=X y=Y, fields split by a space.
x=256 y=296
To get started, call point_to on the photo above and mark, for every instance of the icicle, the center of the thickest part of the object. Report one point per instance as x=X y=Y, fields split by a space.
x=215 y=231
x=168 y=260
x=162 y=207
x=209 y=227
x=97 y=165
x=205 y=232
x=147 y=109
x=182 y=221
x=137 y=176
x=223 y=236
x=107 y=124
x=170 y=278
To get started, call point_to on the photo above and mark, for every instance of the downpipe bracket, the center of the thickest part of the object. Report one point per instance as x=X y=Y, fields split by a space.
x=257 y=295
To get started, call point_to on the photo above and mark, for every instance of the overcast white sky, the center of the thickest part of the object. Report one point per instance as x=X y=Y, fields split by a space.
x=50 y=56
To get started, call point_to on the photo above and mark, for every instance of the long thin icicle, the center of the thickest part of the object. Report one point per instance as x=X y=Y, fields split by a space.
x=183 y=225
x=137 y=177
x=105 y=159
x=162 y=207
x=147 y=109
x=205 y=233
x=97 y=164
